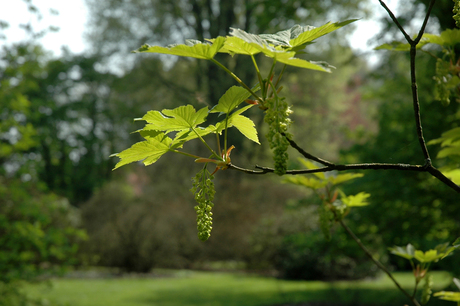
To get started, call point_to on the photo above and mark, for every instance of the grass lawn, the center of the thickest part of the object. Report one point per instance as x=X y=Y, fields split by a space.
x=191 y=288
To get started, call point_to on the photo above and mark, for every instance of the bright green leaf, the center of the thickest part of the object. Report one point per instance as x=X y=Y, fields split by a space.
x=149 y=151
x=359 y=199
x=231 y=99
x=448 y=296
x=309 y=182
x=309 y=165
x=243 y=124
x=340 y=178
x=408 y=252
x=186 y=135
x=306 y=34
x=236 y=45
x=246 y=127
x=449 y=37
x=178 y=119
x=192 y=48
x=428 y=256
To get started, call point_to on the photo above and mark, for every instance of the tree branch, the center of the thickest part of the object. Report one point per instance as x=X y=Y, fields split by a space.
x=395 y=20
x=306 y=154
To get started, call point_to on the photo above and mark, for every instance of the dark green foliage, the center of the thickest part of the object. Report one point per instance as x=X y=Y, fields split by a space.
x=137 y=233
x=37 y=232
x=295 y=246
x=64 y=122
x=38 y=236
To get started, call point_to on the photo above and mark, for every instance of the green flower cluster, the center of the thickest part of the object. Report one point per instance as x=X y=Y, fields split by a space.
x=277 y=118
x=203 y=189
x=456 y=12
x=325 y=221
x=426 y=293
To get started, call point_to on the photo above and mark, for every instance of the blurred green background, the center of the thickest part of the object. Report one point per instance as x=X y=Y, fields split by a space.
x=61 y=205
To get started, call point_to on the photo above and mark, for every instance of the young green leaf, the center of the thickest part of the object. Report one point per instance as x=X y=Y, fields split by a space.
x=359 y=199
x=408 y=252
x=236 y=45
x=303 y=35
x=149 y=151
x=245 y=125
x=309 y=165
x=192 y=48
x=178 y=119
x=448 y=296
x=309 y=182
x=340 y=178
x=231 y=99
x=428 y=256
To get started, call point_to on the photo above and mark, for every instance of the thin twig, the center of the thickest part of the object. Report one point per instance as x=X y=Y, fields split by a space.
x=306 y=154
x=395 y=20
x=425 y=21
x=377 y=263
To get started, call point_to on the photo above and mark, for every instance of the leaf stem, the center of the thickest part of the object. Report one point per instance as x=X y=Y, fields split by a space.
x=237 y=79
x=186 y=154
x=259 y=76
x=206 y=144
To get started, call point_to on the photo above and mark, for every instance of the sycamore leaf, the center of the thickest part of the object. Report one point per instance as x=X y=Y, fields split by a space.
x=186 y=135
x=250 y=38
x=303 y=35
x=149 y=151
x=448 y=296
x=192 y=48
x=408 y=252
x=340 y=178
x=245 y=125
x=359 y=199
x=231 y=99
x=287 y=57
x=428 y=256
x=236 y=45
x=181 y=118
x=309 y=182
x=309 y=165
x=447 y=138
x=449 y=37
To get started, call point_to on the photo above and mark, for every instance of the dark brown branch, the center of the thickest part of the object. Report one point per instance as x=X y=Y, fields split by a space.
x=427 y=16
x=371 y=166
x=306 y=154
x=438 y=174
x=395 y=20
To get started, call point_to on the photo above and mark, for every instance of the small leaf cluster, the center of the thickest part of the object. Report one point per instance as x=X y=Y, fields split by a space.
x=203 y=189
x=424 y=260
x=324 y=185
x=449 y=295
